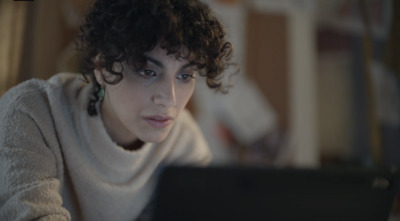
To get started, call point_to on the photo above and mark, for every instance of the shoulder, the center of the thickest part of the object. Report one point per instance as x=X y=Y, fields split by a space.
x=31 y=111
x=37 y=100
x=35 y=93
x=24 y=96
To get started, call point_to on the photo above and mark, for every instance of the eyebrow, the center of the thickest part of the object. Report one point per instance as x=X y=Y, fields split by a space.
x=155 y=61
x=161 y=65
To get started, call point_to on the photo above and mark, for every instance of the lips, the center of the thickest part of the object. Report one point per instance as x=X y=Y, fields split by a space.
x=159 y=121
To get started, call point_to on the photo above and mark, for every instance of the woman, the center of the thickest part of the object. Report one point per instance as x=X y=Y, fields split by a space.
x=90 y=150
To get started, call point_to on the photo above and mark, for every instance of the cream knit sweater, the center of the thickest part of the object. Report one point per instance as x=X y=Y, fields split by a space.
x=58 y=163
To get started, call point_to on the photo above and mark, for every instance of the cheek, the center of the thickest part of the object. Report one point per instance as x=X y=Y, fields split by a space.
x=127 y=96
x=184 y=95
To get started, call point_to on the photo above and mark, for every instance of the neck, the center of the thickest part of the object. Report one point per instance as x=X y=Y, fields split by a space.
x=117 y=132
x=135 y=145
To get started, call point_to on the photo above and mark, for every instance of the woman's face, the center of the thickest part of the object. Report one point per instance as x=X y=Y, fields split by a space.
x=145 y=104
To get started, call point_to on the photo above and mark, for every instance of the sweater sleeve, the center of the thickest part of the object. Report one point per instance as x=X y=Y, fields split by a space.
x=29 y=175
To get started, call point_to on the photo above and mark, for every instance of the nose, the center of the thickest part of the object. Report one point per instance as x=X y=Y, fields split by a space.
x=165 y=95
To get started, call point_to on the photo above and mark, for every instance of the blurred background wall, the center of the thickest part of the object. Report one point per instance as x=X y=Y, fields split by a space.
x=318 y=83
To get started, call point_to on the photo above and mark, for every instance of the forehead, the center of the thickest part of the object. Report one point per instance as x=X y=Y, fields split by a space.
x=160 y=53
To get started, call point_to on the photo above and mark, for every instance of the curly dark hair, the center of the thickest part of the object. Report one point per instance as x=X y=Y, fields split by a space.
x=123 y=30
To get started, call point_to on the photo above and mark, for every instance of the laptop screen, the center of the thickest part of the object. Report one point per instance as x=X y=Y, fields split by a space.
x=249 y=193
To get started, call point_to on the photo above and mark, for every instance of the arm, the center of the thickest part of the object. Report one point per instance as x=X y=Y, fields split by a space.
x=29 y=177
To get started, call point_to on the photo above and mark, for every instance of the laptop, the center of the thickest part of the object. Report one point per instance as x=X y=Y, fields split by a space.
x=233 y=193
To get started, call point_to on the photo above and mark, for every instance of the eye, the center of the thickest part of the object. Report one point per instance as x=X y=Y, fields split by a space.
x=185 y=77
x=147 y=73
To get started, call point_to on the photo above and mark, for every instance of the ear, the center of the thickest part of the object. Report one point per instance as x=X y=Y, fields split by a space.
x=98 y=70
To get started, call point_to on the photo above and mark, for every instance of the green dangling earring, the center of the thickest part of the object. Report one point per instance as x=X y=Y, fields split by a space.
x=101 y=93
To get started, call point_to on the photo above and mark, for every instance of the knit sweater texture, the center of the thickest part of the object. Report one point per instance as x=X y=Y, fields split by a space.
x=59 y=163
